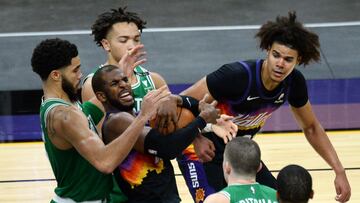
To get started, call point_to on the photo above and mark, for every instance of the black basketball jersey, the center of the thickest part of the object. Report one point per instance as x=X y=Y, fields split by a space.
x=240 y=92
x=145 y=178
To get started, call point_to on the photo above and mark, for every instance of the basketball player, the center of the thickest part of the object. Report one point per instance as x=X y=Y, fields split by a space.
x=251 y=90
x=143 y=177
x=118 y=31
x=240 y=164
x=294 y=185
x=81 y=162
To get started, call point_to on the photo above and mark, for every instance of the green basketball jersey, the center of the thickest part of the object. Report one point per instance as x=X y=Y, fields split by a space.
x=91 y=109
x=76 y=177
x=244 y=193
x=143 y=85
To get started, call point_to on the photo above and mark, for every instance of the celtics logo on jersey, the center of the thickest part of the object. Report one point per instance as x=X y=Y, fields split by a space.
x=143 y=85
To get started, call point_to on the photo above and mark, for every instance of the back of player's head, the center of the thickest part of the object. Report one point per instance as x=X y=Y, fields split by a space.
x=52 y=54
x=294 y=185
x=106 y=20
x=291 y=33
x=98 y=81
x=243 y=155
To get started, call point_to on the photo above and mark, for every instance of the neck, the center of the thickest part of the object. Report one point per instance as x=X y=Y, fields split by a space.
x=240 y=179
x=111 y=61
x=54 y=91
x=266 y=79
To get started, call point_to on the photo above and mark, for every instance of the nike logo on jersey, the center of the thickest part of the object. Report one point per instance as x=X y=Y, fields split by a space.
x=280 y=99
x=249 y=98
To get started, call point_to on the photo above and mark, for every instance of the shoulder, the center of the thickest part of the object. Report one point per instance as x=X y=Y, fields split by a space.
x=62 y=119
x=120 y=116
x=297 y=76
x=230 y=70
x=218 y=197
x=116 y=124
x=87 y=80
x=63 y=113
x=270 y=191
x=158 y=80
x=234 y=66
x=119 y=120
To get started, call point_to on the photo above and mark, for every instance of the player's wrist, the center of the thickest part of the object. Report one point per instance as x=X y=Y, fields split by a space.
x=177 y=99
x=208 y=128
x=339 y=171
x=190 y=103
x=143 y=117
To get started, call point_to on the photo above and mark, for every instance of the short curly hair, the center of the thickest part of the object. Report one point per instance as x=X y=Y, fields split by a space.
x=290 y=32
x=106 y=20
x=52 y=54
x=98 y=83
x=294 y=184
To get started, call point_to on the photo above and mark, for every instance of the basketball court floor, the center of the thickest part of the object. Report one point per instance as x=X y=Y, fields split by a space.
x=26 y=176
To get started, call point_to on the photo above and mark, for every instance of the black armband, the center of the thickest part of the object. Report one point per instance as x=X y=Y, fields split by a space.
x=191 y=104
x=171 y=145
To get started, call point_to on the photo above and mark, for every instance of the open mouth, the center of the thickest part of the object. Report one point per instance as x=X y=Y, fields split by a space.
x=125 y=96
x=278 y=73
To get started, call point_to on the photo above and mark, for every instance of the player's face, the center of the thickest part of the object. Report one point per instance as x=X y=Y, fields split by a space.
x=281 y=61
x=118 y=90
x=71 y=76
x=121 y=38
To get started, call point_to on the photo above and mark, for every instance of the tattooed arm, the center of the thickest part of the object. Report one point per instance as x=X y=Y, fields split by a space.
x=68 y=127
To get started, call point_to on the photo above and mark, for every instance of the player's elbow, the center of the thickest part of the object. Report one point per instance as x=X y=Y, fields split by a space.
x=104 y=167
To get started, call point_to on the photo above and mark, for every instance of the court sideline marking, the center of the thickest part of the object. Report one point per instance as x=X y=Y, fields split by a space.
x=177 y=29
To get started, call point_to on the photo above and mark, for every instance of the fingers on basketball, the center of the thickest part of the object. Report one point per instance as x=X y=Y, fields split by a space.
x=184 y=117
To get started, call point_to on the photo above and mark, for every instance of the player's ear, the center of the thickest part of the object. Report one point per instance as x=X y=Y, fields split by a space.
x=105 y=44
x=260 y=166
x=227 y=167
x=277 y=196
x=55 y=75
x=311 y=194
x=101 y=96
x=298 y=60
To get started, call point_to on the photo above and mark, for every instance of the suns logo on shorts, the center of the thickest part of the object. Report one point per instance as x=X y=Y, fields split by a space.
x=199 y=195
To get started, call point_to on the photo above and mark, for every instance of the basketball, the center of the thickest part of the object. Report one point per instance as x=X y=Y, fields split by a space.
x=184 y=116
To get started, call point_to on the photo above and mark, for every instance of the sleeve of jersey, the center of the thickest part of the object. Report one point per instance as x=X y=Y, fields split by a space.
x=91 y=109
x=171 y=145
x=298 y=95
x=228 y=82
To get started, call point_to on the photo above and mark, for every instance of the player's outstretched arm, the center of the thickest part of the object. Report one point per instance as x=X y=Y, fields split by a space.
x=318 y=139
x=198 y=90
x=72 y=127
x=69 y=128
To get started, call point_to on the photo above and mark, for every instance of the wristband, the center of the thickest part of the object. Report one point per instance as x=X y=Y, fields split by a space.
x=208 y=128
x=191 y=104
